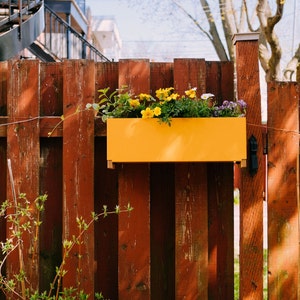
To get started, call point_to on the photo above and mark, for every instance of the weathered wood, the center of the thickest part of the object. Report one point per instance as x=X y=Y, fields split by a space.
x=252 y=187
x=3 y=88
x=107 y=75
x=189 y=73
x=162 y=207
x=51 y=93
x=23 y=150
x=78 y=167
x=134 y=232
x=220 y=231
x=106 y=229
x=51 y=227
x=134 y=187
x=283 y=185
x=219 y=80
x=51 y=86
x=191 y=215
x=161 y=76
x=162 y=231
x=106 y=193
x=191 y=225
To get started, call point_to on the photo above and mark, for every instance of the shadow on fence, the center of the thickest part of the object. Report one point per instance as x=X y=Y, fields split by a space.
x=178 y=241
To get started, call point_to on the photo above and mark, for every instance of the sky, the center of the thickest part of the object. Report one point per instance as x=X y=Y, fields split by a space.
x=151 y=37
x=142 y=36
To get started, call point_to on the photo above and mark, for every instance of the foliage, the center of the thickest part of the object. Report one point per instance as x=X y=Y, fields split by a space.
x=22 y=218
x=167 y=105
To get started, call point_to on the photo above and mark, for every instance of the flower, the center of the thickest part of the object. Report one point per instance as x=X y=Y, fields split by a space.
x=147 y=113
x=166 y=104
x=134 y=102
x=191 y=93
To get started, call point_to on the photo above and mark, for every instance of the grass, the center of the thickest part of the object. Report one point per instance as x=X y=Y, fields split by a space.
x=237 y=277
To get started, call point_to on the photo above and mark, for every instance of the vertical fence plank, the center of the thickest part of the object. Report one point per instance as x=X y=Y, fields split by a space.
x=161 y=76
x=219 y=81
x=106 y=229
x=3 y=159
x=189 y=73
x=106 y=193
x=162 y=231
x=283 y=184
x=191 y=251
x=162 y=206
x=252 y=187
x=220 y=231
x=191 y=215
x=51 y=89
x=3 y=88
x=78 y=168
x=134 y=187
x=23 y=149
x=51 y=175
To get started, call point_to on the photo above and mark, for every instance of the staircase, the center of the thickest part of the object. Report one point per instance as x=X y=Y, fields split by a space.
x=33 y=25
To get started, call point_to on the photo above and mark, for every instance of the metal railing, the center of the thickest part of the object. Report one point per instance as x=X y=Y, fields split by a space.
x=64 y=42
x=20 y=24
x=14 y=11
x=59 y=39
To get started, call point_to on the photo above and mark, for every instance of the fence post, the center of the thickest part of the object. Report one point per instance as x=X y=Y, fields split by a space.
x=191 y=223
x=252 y=187
x=78 y=170
x=283 y=185
x=134 y=187
x=23 y=150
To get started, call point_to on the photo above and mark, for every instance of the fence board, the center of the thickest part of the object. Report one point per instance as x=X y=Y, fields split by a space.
x=161 y=76
x=134 y=187
x=189 y=73
x=3 y=88
x=51 y=91
x=219 y=80
x=23 y=149
x=78 y=168
x=162 y=206
x=283 y=184
x=51 y=81
x=162 y=231
x=252 y=188
x=178 y=241
x=106 y=193
x=191 y=252
x=220 y=231
x=106 y=229
x=191 y=223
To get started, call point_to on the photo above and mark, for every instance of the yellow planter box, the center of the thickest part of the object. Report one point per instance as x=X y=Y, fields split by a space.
x=186 y=140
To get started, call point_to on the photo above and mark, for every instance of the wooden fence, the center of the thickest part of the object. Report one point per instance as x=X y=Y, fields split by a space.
x=178 y=242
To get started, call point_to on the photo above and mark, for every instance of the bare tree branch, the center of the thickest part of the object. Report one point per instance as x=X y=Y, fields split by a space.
x=292 y=65
x=268 y=23
x=213 y=33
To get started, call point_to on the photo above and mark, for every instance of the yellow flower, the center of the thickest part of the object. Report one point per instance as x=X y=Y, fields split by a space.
x=173 y=96
x=134 y=103
x=157 y=111
x=163 y=94
x=146 y=97
x=191 y=93
x=147 y=113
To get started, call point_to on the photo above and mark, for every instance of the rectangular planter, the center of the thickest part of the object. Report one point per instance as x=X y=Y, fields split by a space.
x=186 y=140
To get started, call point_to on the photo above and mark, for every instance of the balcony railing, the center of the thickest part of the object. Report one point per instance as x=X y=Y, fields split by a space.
x=60 y=39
